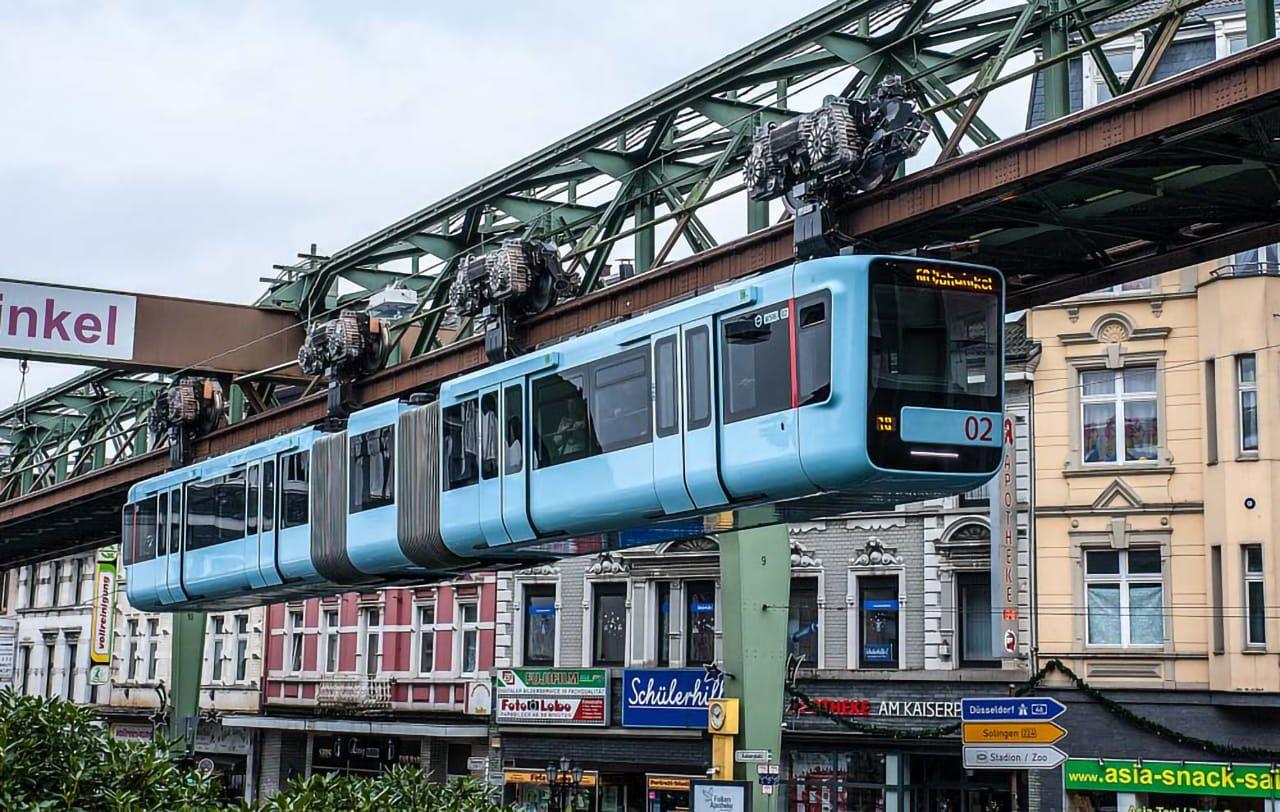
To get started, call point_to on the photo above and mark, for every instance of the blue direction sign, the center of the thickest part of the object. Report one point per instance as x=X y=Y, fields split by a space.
x=1012 y=709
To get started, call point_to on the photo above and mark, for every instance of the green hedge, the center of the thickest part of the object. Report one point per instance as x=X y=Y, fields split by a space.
x=58 y=756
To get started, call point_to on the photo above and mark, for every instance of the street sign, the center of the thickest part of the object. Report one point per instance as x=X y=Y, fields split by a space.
x=1013 y=709
x=752 y=756
x=1012 y=732
x=766 y=769
x=476 y=763
x=1034 y=757
x=769 y=780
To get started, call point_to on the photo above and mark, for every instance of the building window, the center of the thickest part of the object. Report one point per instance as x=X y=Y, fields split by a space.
x=973 y=608
x=662 y=625
x=24 y=669
x=371 y=634
x=33 y=578
x=1247 y=387
x=50 y=649
x=878 y=620
x=539 y=624
x=153 y=647
x=1255 y=628
x=426 y=638
x=1119 y=415
x=700 y=620
x=131 y=666
x=219 y=629
x=69 y=678
x=4 y=592
x=55 y=582
x=609 y=623
x=1125 y=596
x=469 y=626
x=293 y=639
x=802 y=621
x=331 y=641
x=242 y=647
x=77 y=576
x=1261 y=260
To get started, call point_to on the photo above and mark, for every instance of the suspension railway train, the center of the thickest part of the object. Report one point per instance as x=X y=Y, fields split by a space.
x=835 y=384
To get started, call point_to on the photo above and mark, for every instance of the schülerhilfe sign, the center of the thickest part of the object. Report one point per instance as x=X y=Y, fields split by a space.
x=668 y=697
x=65 y=322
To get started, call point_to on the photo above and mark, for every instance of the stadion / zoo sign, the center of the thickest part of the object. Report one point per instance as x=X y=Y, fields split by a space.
x=563 y=696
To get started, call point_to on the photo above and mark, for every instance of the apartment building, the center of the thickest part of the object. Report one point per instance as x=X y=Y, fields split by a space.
x=362 y=681
x=46 y=611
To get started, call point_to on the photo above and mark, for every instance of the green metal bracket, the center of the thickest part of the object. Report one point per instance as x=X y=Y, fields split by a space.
x=185 y=666
x=1260 y=20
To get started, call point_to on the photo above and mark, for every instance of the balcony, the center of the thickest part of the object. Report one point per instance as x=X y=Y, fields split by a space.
x=355 y=692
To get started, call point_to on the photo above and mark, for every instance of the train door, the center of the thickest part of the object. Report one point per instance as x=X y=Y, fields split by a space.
x=668 y=446
x=701 y=445
x=268 y=565
x=514 y=462
x=490 y=494
x=252 y=560
x=176 y=545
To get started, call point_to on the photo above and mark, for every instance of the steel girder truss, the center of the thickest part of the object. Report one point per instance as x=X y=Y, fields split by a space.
x=646 y=171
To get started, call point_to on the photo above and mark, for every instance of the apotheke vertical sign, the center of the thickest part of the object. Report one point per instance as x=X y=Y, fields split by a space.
x=1004 y=550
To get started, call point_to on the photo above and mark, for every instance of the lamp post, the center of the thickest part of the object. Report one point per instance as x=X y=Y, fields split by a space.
x=561 y=778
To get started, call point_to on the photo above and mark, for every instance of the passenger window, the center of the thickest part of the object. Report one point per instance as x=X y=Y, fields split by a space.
x=373 y=470
x=251 y=513
x=697 y=360
x=202 y=511
x=560 y=419
x=146 y=531
x=268 y=496
x=459 y=445
x=489 y=435
x=175 y=521
x=162 y=525
x=513 y=419
x=620 y=401
x=664 y=379
x=813 y=348
x=231 y=512
x=756 y=373
x=295 y=490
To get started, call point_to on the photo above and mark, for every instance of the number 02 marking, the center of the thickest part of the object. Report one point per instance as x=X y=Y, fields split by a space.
x=977 y=429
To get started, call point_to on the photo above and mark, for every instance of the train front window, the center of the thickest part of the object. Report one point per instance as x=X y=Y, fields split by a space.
x=939 y=341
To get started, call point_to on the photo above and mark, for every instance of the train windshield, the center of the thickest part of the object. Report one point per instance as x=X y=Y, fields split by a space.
x=935 y=332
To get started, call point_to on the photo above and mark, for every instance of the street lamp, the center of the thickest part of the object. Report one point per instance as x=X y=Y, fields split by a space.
x=560 y=779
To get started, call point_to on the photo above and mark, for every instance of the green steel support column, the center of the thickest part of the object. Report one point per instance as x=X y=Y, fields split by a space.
x=184 y=678
x=1260 y=20
x=140 y=441
x=755 y=590
x=1057 y=77
x=645 y=244
x=237 y=404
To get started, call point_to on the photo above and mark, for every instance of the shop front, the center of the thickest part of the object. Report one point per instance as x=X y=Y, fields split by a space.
x=225 y=752
x=532 y=790
x=855 y=746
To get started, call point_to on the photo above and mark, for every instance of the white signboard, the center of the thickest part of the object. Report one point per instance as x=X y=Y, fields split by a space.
x=69 y=322
x=563 y=696
x=1012 y=757
x=751 y=756
x=104 y=607
x=8 y=644
x=720 y=796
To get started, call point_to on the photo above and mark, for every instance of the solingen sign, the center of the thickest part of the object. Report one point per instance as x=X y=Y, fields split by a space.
x=65 y=322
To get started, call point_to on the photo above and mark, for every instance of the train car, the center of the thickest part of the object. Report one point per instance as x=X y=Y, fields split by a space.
x=836 y=384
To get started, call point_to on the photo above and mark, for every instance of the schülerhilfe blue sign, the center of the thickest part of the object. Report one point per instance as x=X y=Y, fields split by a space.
x=668 y=697
x=1013 y=709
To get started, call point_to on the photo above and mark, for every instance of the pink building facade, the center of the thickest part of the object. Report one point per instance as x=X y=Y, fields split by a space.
x=357 y=682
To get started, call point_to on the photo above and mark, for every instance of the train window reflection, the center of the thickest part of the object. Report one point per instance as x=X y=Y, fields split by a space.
x=664 y=378
x=620 y=401
x=459 y=446
x=513 y=419
x=295 y=470
x=373 y=469
x=813 y=348
x=560 y=419
x=757 y=363
x=489 y=435
x=697 y=359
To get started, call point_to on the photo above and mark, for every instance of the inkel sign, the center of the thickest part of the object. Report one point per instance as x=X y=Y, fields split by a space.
x=69 y=322
x=668 y=697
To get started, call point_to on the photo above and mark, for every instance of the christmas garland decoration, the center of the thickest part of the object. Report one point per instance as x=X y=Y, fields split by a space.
x=1115 y=708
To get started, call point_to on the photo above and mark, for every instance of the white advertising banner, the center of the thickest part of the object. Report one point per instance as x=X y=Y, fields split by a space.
x=66 y=322
x=1004 y=550
x=104 y=607
x=8 y=644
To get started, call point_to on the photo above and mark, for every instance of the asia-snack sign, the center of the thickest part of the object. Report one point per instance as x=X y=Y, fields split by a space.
x=564 y=696
x=668 y=697
x=1172 y=777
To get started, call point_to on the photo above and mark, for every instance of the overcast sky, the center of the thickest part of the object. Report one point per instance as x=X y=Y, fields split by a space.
x=184 y=148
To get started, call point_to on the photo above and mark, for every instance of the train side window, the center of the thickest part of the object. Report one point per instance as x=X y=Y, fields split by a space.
x=697 y=360
x=295 y=490
x=251 y=511
x=665 y=386
x=231 y=503
x=128 y=527
x=461 y=436
x=175 y=521
x=620 y=401
x=162 y=525
x=489 y=435
x=813 y=348
x=513 y=419
x=373 y=469
x=202 y=514
x=146 y=531
x=268 y=496
x=756 y=372
x=560 y=419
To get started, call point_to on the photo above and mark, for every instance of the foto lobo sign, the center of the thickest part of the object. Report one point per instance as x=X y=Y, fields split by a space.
x=564 y=696
x=67 y=322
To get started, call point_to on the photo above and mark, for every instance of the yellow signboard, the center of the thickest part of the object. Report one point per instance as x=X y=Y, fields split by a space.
x=678 y=783
x=540 y=777
x=1012 y=732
